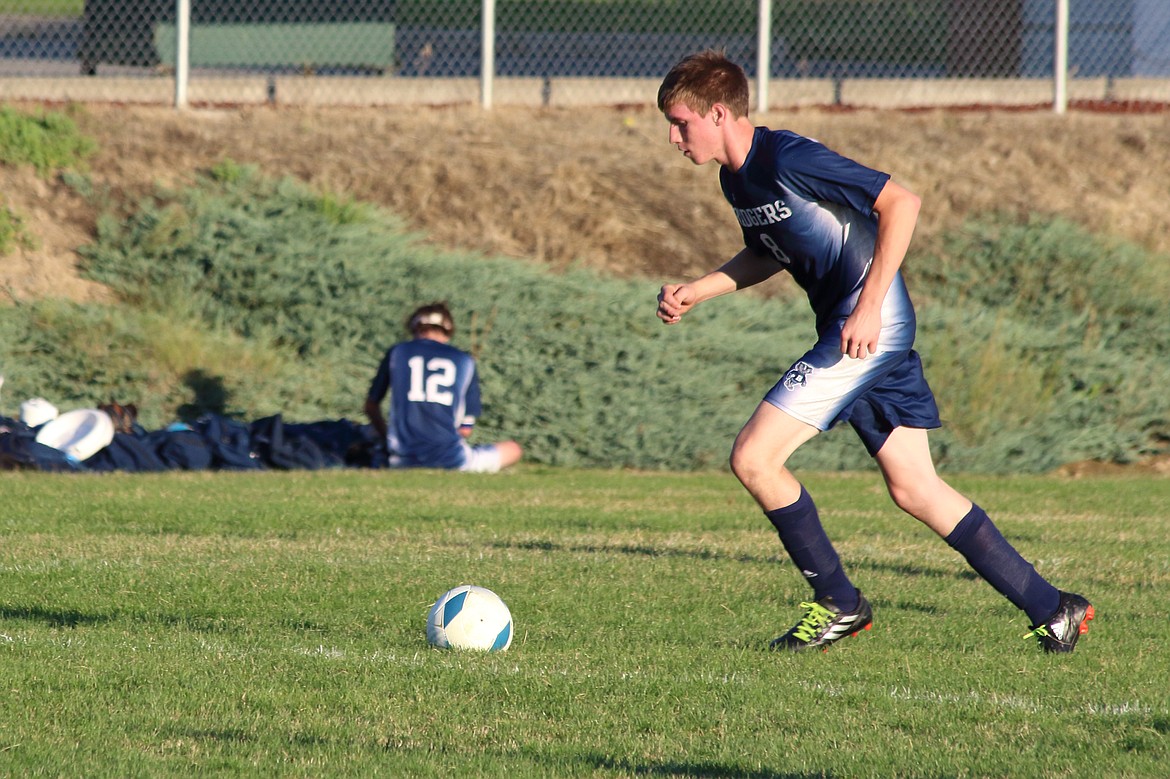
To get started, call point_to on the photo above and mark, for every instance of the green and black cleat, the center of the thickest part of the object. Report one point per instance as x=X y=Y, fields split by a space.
x=823 y=624
x=1070 y=621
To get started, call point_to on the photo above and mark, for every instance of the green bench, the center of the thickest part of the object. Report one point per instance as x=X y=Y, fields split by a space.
x=308 y=46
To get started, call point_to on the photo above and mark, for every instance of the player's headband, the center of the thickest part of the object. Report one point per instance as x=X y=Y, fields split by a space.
x=431 y=319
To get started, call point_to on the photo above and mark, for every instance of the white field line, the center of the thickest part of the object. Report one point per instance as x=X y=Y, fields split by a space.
x=976 y=699
x=969 y=699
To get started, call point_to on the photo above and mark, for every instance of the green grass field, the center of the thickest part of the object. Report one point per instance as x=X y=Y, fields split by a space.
x=273 y=624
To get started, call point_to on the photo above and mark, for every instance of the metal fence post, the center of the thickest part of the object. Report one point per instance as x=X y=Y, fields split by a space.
x=487 y=65
x=182 y=51
x=764 y=55
x=1060 y=59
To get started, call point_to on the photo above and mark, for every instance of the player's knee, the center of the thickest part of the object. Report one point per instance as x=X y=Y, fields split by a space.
x=915 y=497
x=747 y=465
x=903 y=498
x=510 y=453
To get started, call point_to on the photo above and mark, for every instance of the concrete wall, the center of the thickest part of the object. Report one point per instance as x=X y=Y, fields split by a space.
x=564 y=92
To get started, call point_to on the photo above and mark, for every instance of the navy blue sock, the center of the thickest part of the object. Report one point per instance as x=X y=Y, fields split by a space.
x=804 y=539
x=997 y=561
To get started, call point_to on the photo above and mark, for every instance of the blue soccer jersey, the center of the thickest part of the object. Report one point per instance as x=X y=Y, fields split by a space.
x=434 y=391
x=811 y=210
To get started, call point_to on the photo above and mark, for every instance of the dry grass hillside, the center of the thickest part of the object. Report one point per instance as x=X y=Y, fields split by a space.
x=597 y=187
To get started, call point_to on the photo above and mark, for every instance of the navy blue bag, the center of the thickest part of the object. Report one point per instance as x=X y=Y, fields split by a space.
x=273 y=443
x=185 y=450
x=230 y=443
x=127 y=452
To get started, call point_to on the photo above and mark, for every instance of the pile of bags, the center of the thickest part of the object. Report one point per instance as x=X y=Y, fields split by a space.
x=109 y=438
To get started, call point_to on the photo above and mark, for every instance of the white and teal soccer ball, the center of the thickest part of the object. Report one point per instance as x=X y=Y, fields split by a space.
x=470 y=617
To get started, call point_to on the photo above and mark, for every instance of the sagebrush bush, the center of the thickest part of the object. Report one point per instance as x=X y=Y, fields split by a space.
x=12 y=230
x=1043 y=343
x=48 y=141
x=250 y=296
x=172 y=367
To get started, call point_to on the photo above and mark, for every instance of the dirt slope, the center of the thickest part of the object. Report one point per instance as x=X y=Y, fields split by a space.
x=597 y=187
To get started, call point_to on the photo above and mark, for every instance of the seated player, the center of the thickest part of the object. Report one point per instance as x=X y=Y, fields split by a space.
x=434 y=401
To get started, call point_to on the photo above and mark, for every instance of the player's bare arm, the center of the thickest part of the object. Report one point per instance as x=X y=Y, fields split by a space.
x=897 y=210
x=745 y=269
x=373 y=410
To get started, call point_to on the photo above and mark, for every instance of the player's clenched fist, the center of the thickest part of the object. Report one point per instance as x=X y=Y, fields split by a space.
x=674 y=300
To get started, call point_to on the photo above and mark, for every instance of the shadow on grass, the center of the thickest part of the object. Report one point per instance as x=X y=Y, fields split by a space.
x=240 y=736
x=200 y=623
x=701 y=770
x=632 y=549
x=901 y=569
x=58 y=618
x=912 y=570
x=223 y=735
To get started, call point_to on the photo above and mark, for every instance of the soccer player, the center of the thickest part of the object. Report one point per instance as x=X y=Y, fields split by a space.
x=841 y=230
x=434 y=401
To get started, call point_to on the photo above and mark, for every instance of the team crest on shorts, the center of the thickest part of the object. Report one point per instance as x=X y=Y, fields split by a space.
x=797 y=376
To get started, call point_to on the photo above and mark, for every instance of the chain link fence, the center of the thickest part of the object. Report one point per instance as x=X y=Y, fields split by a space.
x=881 y=53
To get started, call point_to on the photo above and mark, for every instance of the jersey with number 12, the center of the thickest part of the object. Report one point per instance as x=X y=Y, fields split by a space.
x=434 y=391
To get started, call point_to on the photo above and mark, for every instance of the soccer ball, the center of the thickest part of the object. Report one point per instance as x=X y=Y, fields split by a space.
x=470 y=617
